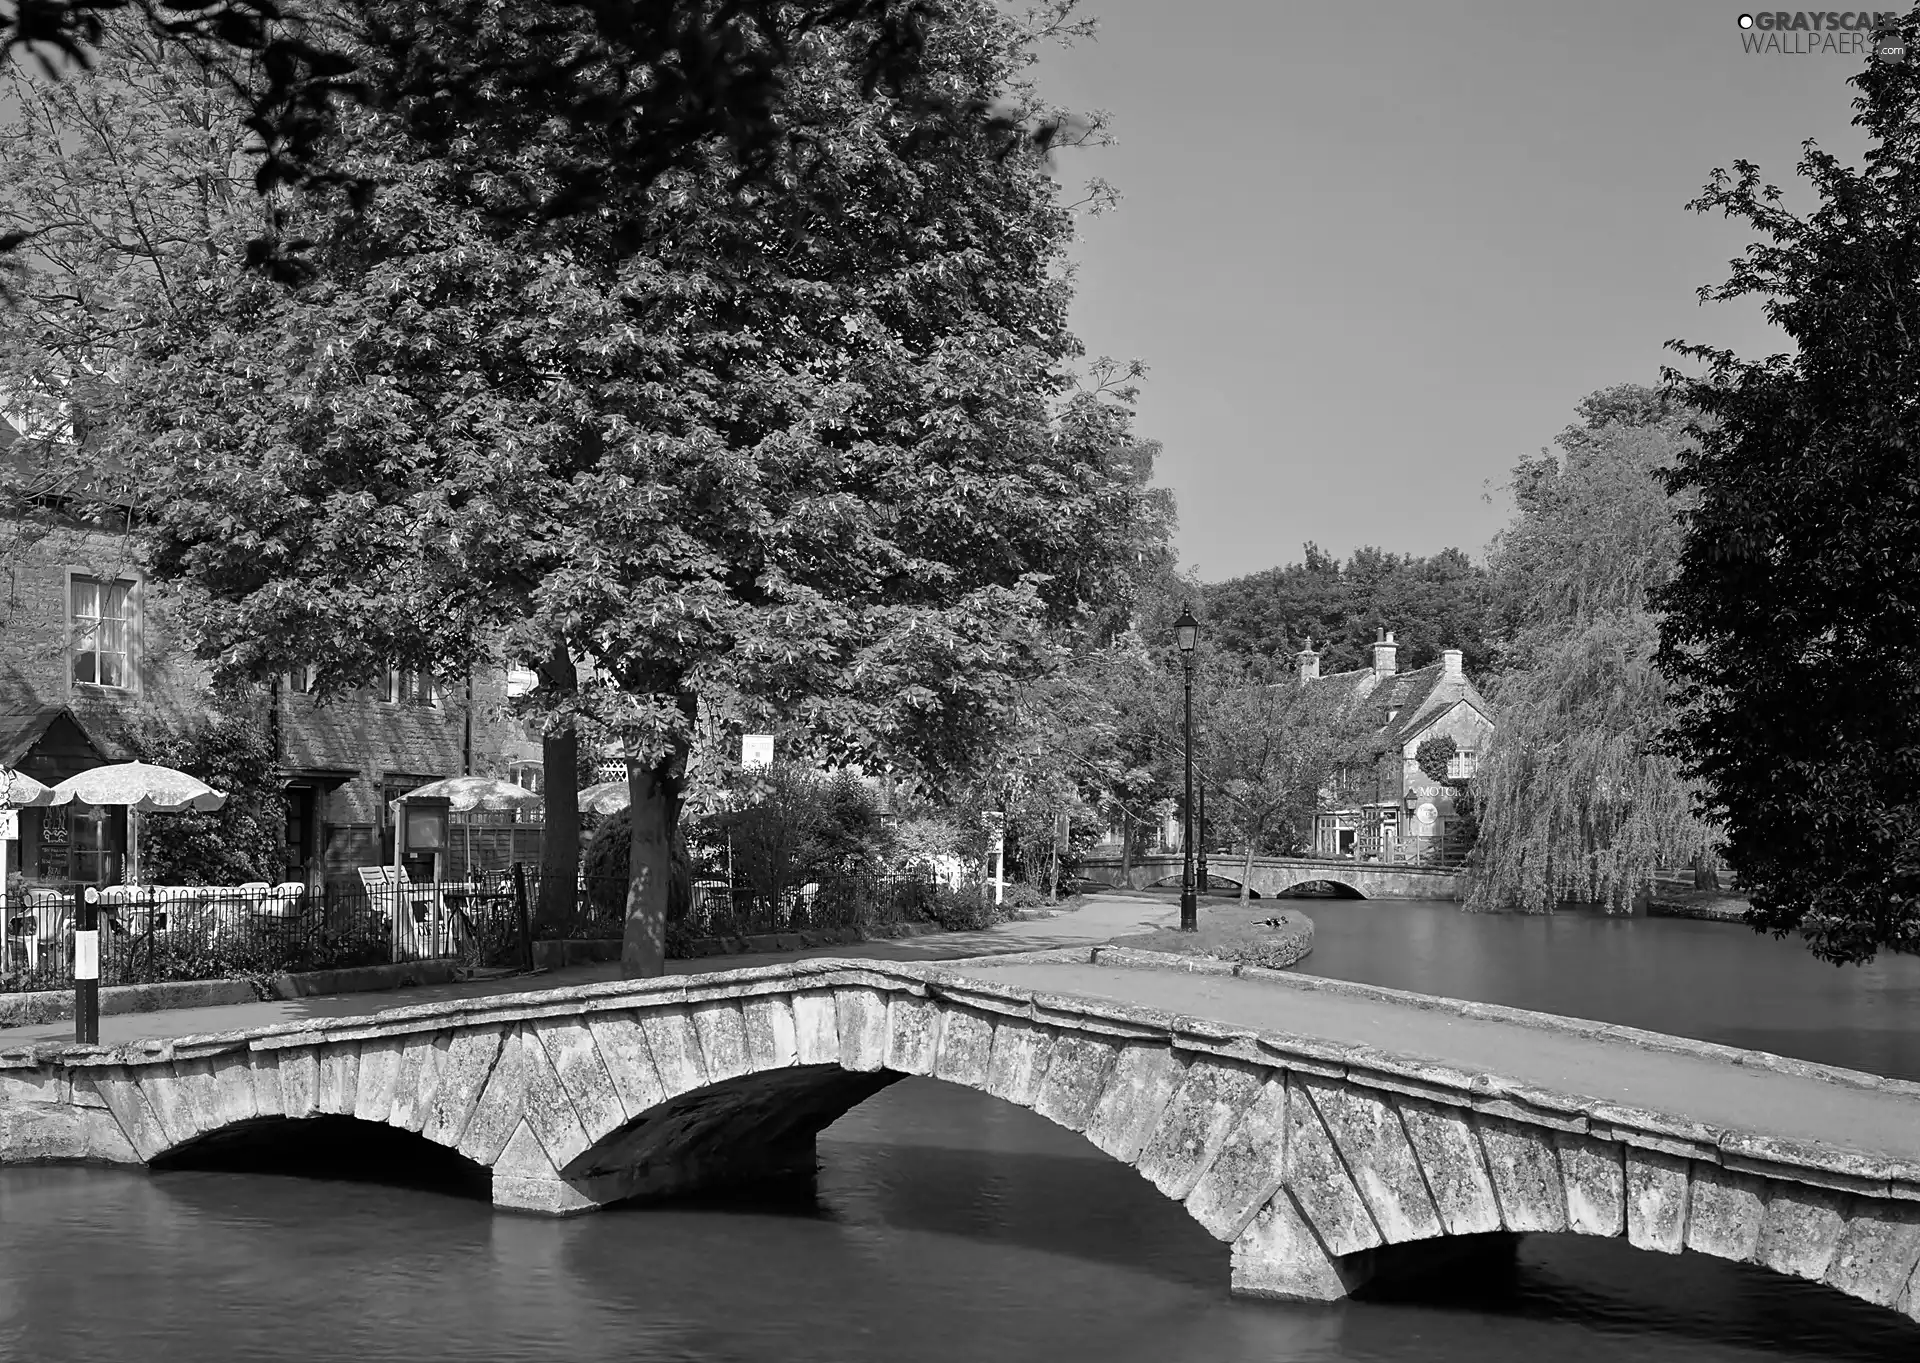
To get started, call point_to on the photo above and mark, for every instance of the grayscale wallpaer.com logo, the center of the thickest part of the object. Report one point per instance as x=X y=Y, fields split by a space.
x=1846 y=33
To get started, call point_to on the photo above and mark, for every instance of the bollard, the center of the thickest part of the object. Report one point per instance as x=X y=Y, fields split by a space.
x=86 y=966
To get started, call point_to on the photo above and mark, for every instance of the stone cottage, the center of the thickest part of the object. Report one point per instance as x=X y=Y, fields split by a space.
x=1396 y=811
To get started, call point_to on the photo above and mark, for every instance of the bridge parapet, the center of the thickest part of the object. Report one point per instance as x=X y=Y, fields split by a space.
x=1276 y=875
x=1318 y=1161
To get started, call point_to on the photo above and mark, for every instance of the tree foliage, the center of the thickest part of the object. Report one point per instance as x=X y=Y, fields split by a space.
x=748 y=459
x=1573 y=799
x=123 y=188
x=788 y=823
x=1430 y=603
x=1793 y=625
x=1273 y=746
x=1595 y=530
x=578 y=97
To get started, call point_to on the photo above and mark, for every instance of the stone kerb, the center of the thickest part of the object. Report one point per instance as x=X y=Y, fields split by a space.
x=1308 y=1157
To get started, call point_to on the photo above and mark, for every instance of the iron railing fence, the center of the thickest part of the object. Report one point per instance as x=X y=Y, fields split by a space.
x=188 y=933
x=151 y=935
x=156 y=934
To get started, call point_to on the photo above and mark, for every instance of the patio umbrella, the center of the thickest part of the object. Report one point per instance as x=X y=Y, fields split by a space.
x=609 y=797
x=465 y=794
x=20 y=791
x=142 y=788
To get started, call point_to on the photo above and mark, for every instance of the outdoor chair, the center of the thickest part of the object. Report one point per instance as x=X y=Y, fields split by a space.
x=48 y=923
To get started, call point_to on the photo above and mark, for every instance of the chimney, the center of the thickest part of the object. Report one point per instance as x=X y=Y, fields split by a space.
x=1383 y=651
x=1450 y=662
x=1308 y=662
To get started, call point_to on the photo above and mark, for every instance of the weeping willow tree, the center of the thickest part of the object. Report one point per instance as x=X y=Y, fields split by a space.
x=1575 y=799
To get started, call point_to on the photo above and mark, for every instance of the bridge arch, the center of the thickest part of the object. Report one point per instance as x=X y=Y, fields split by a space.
x=1322 y=888
x=334 y=1147
x=1320 y=1166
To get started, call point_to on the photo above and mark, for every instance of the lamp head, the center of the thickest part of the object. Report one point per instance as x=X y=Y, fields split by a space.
x=1186 y=630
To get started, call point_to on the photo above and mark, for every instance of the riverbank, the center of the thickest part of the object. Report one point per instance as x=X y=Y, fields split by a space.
x=1717 y=905
x=1272 y=938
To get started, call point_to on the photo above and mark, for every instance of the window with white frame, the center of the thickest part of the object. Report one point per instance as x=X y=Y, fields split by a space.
x=300 y=680
x=100 y=624
x=411 y=688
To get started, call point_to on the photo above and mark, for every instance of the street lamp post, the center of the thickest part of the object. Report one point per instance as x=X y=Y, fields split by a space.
x=1185 y=630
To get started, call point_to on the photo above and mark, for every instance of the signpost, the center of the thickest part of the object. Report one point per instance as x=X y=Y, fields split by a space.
x=995 y=822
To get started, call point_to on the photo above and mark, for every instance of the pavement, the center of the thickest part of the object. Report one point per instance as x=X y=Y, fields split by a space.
x=1700 y=1088
x=1102 y=918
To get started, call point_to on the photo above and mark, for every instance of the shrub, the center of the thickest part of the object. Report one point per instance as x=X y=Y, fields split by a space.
x=1021 y=895
x=607 y=866
x=963 y=910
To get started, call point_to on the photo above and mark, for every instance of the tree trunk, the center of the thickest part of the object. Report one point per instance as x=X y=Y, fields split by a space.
x=1704 y=875
x=1246 y=877
x=1126 y=851
x=655 y=790
x=560 y=777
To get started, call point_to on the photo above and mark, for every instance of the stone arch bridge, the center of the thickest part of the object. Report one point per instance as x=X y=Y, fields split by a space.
x=1321 y=1161
x=1276 y=875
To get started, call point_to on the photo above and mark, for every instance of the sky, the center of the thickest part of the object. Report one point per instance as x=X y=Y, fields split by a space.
x=1373 y=255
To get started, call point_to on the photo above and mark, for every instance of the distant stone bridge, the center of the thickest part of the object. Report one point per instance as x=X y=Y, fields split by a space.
x=1320 y=1163
x=1275 y=875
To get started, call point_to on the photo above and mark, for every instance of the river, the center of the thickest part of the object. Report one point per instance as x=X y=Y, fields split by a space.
x=946 y=1227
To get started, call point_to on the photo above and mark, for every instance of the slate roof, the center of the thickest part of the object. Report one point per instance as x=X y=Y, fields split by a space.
x=1403 y=704
x=22 y=730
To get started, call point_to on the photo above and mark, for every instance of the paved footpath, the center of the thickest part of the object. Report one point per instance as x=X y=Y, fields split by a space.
x=1101 y=919
x=1704 y=1089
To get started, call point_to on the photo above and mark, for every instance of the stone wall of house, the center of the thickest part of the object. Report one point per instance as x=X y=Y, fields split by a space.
x=383 y=743
x=1471 y=732
x=35 y=666
x=391 y=744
